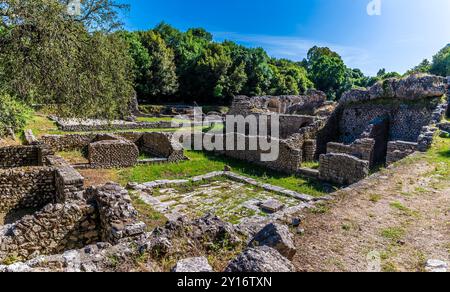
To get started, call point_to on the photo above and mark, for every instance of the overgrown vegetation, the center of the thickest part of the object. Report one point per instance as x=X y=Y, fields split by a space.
x=13 y=114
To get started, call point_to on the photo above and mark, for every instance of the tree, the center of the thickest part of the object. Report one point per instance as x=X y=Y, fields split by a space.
x=99 y=14
x=441 y=62
x=159 y=78
x=327 y=70
x=49 y=58
x=423 y=67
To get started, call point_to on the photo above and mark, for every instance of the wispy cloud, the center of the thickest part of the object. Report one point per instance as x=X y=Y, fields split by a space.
x=297 y=48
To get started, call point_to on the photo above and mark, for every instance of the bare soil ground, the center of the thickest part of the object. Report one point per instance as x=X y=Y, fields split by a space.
x=95 y=177
x=401 y=213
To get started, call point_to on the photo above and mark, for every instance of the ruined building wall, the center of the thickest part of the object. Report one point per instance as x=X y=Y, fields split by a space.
x=19 y=156
x=29 y=187
x=102 y=214
x=289 y=159
x=342 y=168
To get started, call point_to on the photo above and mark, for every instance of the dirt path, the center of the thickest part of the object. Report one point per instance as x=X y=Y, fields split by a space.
x=402 y=214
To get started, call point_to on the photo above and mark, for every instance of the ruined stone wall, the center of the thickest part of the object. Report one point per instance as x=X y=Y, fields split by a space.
x=112 y=153
x=102 y=214
x=19 y=156
x=29 y=187
x=118 y=218
x=362 y=149
x=397 y=150
x=54 y=229
x=285 y=104
x=70 y=142
x=406 y=120
x=77 y=125
x=342 y=168
x=162 y=145
x=288 y=161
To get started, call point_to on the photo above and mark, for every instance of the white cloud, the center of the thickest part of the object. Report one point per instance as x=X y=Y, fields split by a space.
x=297 y=48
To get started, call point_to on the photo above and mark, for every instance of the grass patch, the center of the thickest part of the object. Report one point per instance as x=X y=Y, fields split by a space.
x=402 y=208
x=311 y=164
x=375 y=198
x=200 y=163
x=393 y=233
x=320 y=208
x=147 y=214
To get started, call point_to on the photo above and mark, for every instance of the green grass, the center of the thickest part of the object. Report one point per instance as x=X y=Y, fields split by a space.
x=393 y=233
x=147 y=214
x=375 y=198
x=310 y=164
x=41 y=125
x=200 y=163
x=402 y=208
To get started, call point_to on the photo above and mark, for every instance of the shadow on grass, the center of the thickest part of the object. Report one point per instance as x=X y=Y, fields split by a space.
x=444 y=154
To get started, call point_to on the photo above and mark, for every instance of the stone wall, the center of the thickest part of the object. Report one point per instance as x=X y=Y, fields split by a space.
x=55 y=228
x=362 y=149
x=19 y=156
x=288 y=161
x=285 y=104
x=397 y=150
x=154 y=143
x=77 y=125
x=409 y=104
x=161 y=145
x=112 y=153
x=103 y=214
x=118 y=218
x=342 y=168
x=70 y=142
x=30 y=187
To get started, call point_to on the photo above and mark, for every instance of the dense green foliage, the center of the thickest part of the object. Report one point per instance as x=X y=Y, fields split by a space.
x=441 y=62
x=49 y=57
x=13 y=114
x=439 y=66
x=212 y=72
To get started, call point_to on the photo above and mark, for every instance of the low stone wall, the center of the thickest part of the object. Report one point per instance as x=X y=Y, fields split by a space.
x=118 y=218
x=362 y=149
x=76 y=125
x=161 y=145
x=112 y=153
x=342 y=168
x=57 y=227
x=288 y=161
x=101 y=214
x=70 y=142
x=30 y=187
x=397 y=150
x=19 y=156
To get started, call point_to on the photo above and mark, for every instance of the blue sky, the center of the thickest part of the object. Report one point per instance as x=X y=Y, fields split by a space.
x=406 y=32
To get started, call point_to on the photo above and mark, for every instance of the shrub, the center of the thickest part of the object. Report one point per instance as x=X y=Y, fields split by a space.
x=13 y=114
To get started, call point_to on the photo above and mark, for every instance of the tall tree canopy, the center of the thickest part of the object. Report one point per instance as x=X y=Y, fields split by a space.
x=327 y=70
x=49 y=57
x=441 y=62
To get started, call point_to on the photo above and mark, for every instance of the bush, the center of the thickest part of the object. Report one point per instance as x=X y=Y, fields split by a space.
x=13 y=114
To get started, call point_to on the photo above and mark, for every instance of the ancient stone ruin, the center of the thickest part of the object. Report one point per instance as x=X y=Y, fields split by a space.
x=49 y=221
x=120 y=149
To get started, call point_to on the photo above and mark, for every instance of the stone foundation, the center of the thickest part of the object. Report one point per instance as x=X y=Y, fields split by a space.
x=112 y=153
x=101 y=214
x=397 y=150
x=342 y=168
x=19 y=156
x=31 y=187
